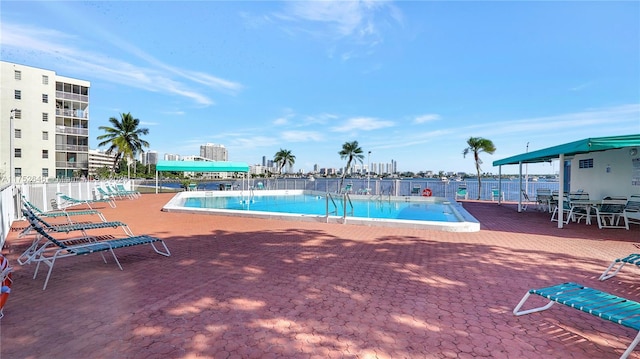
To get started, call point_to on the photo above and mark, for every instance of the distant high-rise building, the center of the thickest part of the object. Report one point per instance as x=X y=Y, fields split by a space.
x=171 y=157
x=214 y=152
x=99 y=159
x=264 y=161
x=151 y=158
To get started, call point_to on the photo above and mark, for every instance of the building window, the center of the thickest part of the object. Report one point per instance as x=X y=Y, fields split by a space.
x=45 y=135
x=17 y=114
x=45 y=98
x=45 y=79
x=18 y=133
x=17 y=75
x=45 y=154
x=17 y=94
x=17 y=171
x=45 y=172
x=17 y=153
x=586 y=163
x=45 y=117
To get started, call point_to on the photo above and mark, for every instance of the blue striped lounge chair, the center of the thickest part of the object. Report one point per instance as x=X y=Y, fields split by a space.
x=28 y=254
x=69 y=201
x=48 y=254
x=58 y=213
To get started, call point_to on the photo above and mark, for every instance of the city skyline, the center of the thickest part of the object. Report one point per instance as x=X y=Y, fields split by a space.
x=410 y=81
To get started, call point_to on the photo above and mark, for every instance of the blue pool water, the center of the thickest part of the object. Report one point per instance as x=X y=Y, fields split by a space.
x=435 y=210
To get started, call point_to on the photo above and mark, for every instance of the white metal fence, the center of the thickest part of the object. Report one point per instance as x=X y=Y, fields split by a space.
x=40 y=194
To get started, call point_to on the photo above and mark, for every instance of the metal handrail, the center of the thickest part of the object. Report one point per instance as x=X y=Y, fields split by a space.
x=347 y=197
x=330 y=197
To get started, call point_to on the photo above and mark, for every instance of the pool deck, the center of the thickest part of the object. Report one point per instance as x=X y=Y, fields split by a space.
x=239 y=287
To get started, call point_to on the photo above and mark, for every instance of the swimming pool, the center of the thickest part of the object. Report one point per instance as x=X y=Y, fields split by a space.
x=413 y=212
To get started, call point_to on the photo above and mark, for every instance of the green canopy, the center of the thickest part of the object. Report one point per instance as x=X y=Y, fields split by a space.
x=202 y=166
x=568 y=149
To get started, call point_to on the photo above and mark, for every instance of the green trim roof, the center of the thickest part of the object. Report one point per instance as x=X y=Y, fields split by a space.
x=568 y=149
x=202 y=166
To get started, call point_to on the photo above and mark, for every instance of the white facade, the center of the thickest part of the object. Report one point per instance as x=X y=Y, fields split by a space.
x=44 y=124
x=214 y=152
x=613 y=173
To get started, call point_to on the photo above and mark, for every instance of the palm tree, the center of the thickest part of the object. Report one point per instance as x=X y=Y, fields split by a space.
x=350 y=151
x=284 y=158
x=477 y=145
x=123 y=138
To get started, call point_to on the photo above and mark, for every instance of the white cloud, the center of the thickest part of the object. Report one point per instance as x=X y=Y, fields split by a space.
x=362 y=124
x=302 y=136
x=355 y=22
x=280 y=121
x=426 y=118
x=156 y=77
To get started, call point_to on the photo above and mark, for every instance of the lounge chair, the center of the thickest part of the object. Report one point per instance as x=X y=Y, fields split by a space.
x=120 y=189
x=347 y=188
x=28 y=254
x=612 y=209
x=56 y=213
x=600 y=304
x=69 y=201
x=632 y=210
x=104 y=195
x=415 y=190
x=618 y=263
x=462 y=192
x=60 y=249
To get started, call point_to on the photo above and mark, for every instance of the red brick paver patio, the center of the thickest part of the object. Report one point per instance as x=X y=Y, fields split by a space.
x=253 y=288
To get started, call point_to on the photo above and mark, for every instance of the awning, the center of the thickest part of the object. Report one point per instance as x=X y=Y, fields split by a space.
x=569 y=149
x=202 y=166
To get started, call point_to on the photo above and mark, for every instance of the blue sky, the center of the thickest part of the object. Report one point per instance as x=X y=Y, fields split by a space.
x=409 y=80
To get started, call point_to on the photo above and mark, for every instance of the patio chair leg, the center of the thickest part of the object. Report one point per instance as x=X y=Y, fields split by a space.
x=631 y=346
x=166 y=252
x=517 y=311
x=608 y=273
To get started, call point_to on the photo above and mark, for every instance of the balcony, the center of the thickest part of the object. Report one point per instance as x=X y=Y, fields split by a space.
x=71 y=96
x=81 y=165
x=72 y=113
x=74 y=148
x=72 y=130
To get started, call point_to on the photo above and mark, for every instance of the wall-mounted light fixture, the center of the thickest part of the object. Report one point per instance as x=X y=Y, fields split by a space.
x=608 y=169
x=633 y=152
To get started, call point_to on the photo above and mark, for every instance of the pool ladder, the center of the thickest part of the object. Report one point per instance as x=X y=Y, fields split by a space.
x=345 y=200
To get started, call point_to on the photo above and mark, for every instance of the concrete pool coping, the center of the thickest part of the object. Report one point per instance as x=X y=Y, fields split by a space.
x=467 y=222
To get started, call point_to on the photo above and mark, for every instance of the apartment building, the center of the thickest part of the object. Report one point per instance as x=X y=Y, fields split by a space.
x=214 y=152
x=99 y=159
x=44 y=124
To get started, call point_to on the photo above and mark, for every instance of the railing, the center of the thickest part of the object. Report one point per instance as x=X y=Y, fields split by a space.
x=72 y=96
x=61 y=147
x=63 y=164
x=40 y=195
x=72 y=130
x=330 y=198
x=346 y=200
x=402 y=187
